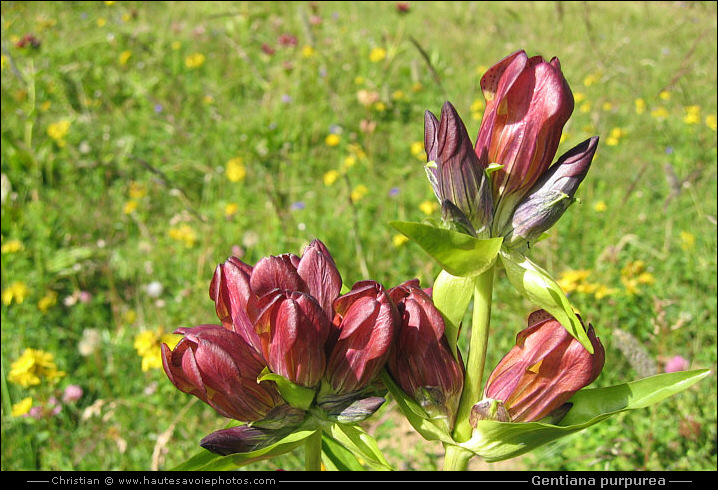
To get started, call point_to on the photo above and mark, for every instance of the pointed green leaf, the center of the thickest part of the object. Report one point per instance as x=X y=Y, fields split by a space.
x=208 y=461
x=459 y=254
x=338 y=458
x=539 y=287
x=496 y=441
x=452 y=295
x=361 y=444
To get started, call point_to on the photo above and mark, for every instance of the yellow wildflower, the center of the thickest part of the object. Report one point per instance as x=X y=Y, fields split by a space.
x=137 y=190
x=231 y=209
x=195 y=60
x=615 y=136
x=307 y=51
x=591 y=79
x=12 y=246
x=603 y=291
x=646 y=278
x=600 y=207
x=477 y=105
x=129 y=317
x=688 y=240
x=330 y=177
x=22 y=407
x=398 y=95
x=660 y=113
x=148 y=345
x=184 y=233
x=398 y=240
x=125 y=57
x=47 y=301
x=359 y=192
x=380 y=106
x=711 y=121
x=631 y=285
x=607 y=106
x=332 y=139
x=633 y=268
x=349 y=161
x=693 y=114
x=101 y=22
x=578 y=97
x=664 y=95
x=585 y=107
x=175 y=45
x=32 y=366
x=58 y=130
x=356 y=149
x=570 y=280
x=130 y=207
x=236 y=172
x=359 y=80
x=640 y=106
x=377 y=54
x=417 y=149
x=17 y=291
x=428 y=207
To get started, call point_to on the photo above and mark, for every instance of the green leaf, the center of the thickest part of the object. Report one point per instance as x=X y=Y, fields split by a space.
x=338 y=458
x=414 y=413
x=539 y=287
x=361 y=444
x=208 y=461
x=496 y=441
x=457 y=253
x=296 y=395
x=452 y=295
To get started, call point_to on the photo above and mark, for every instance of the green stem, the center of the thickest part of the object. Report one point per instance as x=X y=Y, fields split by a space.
x=313 y=452
x=473 y=386
x=456 y=458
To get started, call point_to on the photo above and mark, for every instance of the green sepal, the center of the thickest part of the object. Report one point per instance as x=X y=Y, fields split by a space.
x=496 y=441
x=457 y=253
x=452 y=295
x=360 y=444
x=415 y=414
x=294 y=394
x=537 y=285
x=209 y=461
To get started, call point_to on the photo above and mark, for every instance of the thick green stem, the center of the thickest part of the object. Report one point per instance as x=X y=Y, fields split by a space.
x=313 y=452
x=480 y=322
x=456 y=458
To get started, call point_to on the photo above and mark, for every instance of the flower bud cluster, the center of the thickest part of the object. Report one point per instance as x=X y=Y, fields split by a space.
x=286 y=317
x=505 y=185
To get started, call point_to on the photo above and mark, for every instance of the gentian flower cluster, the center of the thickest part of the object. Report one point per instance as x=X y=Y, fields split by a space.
x=505 y=186
x=291 y=344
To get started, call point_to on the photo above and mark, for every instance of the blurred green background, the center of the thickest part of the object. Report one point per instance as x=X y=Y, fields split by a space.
x=145 y=142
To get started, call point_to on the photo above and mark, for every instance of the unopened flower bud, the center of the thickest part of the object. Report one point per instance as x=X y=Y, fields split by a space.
x=554 y=192
x=421 y=361
x=365 y=328
x=540 y=373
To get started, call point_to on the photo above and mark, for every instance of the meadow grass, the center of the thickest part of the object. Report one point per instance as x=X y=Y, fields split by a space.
x=145 y=142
